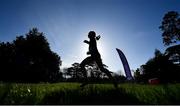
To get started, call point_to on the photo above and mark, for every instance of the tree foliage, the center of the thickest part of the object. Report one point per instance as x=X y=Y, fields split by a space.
x=29 y=59
x=173 y=53
x=75 y=74
x=159 y=67
x=170 y=27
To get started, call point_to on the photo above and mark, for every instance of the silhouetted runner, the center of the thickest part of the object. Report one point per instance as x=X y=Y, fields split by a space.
x=94 y=57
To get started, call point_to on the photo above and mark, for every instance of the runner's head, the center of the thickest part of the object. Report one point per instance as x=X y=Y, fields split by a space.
x=91 y=34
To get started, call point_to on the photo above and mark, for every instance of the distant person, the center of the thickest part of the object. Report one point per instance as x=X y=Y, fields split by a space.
x=94 y=57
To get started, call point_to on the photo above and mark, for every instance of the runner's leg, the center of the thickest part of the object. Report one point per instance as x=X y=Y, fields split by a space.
x=106 y=71
x=85 y=62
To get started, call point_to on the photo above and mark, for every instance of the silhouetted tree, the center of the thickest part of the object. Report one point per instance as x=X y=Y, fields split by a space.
x=77 y=73
x=159 y=67
x=165 y=66
x=173 y=53
x=67 y=72
x=29 y=59
x=7 y=65
x=170 y=27
x=74 y=72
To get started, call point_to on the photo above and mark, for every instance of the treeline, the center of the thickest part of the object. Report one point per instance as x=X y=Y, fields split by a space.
x=29 y=58
x=75 y=74
x=164 y=66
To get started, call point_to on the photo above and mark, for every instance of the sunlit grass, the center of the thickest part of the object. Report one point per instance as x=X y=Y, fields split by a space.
x=71 y=93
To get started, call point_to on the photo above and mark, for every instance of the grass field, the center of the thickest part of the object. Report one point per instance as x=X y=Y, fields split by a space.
x=71 y=93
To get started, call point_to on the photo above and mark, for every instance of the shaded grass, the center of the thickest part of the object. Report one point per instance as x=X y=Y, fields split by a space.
x=154 y=94
x=71 y=93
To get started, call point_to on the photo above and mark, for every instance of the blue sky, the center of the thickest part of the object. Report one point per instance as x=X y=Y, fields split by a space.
x=130 y=25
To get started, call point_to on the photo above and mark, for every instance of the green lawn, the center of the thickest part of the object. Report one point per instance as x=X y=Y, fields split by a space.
x=71 y=93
